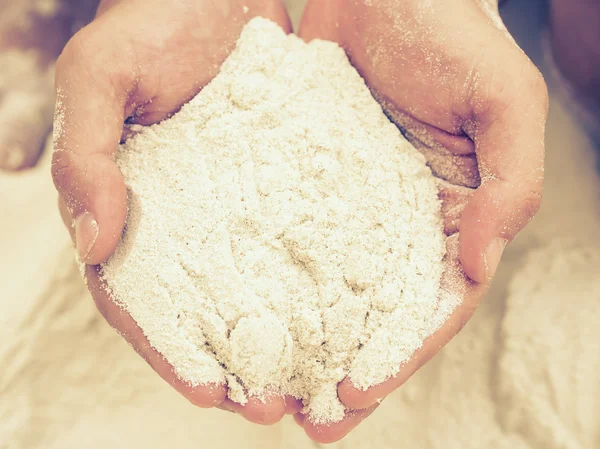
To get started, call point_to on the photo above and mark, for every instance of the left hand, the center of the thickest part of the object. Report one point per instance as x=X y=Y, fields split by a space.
x=453 y=79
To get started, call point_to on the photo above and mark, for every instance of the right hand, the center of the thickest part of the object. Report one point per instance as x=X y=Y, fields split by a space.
x=142 y=60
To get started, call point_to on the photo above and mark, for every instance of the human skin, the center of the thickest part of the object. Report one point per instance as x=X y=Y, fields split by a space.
x=457 y=76
x=454 y=80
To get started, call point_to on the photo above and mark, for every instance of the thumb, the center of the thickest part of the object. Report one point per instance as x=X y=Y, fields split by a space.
x=89 y=117
x=509 y=115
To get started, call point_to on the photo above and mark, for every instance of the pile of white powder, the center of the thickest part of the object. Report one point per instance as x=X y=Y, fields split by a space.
x=282 y=234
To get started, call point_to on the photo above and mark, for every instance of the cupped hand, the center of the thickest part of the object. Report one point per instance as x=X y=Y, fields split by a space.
x=465 y=95
x=139 y=61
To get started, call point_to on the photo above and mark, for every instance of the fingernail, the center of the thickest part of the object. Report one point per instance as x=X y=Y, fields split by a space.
x=86 y=234
x=492 y=256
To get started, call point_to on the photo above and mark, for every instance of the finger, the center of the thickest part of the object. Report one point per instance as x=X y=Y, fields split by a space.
x=205 y=396
x=460 y=170
x=450 y=157
x=454 y=281
x=91 y=98
x=454 y=200
x=508 y=130
x=265 y=411
x=330 y=433
x=434 y=137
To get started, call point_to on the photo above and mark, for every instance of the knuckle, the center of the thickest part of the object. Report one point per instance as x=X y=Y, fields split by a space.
x=536 y=82
x=80 y=50
x=510 y=86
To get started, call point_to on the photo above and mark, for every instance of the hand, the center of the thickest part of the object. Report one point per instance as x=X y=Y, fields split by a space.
x=139 y=60
x=452 y=78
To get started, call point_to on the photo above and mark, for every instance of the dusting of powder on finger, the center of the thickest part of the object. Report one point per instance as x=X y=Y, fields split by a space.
x=282 y=234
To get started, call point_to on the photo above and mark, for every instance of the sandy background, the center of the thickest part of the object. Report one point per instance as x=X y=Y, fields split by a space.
x=525 y=372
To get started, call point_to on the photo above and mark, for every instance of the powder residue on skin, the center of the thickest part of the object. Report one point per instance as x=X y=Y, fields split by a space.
x=282 y=234
x=458 y=169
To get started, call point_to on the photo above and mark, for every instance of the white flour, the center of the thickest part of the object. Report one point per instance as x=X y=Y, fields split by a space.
x=282 y=233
